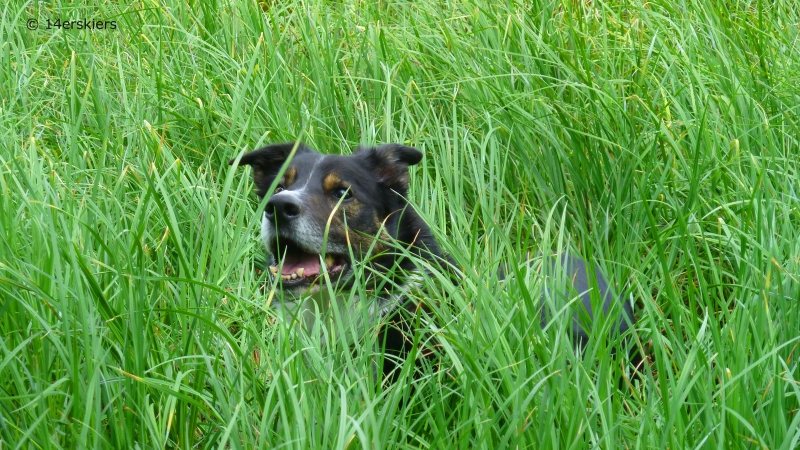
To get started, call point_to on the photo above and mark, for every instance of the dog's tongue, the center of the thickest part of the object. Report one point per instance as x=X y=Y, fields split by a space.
x=309 y=262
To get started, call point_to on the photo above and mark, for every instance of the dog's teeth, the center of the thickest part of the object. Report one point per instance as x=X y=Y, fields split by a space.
x=286 y=277
x=273 y=269
x=294 y=276
x=300 y=271
x=329 y=260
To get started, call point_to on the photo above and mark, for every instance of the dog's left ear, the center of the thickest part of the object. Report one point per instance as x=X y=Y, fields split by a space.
x=267 y=161
x=390 y=162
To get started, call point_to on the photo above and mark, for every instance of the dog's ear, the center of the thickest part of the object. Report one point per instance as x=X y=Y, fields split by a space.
x=390 y=163
x=267 y=161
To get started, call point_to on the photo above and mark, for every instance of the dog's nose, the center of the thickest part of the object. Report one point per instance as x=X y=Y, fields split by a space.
x=284 y=207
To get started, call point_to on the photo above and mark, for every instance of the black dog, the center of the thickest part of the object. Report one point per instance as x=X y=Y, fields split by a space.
x=340 y=212
x=337 y=212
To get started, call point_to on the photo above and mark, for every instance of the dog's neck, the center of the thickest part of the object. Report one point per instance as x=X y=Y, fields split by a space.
x=347 y=307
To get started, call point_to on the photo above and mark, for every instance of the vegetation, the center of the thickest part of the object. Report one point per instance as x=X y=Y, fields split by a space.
x=659 y=138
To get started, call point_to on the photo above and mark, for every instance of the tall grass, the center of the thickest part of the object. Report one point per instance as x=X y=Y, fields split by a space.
x=659 y=139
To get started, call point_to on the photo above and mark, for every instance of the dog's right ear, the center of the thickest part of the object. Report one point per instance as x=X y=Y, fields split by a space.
x=267 y=161
x=390 y=163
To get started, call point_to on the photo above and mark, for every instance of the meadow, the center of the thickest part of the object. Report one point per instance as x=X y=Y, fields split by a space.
x=657 y=138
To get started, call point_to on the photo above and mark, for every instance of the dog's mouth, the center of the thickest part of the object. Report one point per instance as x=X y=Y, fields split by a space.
x=297 y=267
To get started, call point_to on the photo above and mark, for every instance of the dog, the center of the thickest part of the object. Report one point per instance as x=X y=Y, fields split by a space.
x=328 y=214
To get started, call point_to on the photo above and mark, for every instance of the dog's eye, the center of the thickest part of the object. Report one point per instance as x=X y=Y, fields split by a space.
x=342 y=192
x=278 y=189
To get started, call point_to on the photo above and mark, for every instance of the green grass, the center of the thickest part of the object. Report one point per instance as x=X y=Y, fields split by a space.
x=658 y=138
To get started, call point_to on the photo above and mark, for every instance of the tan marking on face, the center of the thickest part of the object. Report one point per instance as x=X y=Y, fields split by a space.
x=331 y=181
x=375 y=238
x=289 y=176
x=353 y=209
x=363 y=242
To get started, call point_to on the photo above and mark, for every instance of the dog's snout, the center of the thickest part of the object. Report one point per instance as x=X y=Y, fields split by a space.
x=284 y=207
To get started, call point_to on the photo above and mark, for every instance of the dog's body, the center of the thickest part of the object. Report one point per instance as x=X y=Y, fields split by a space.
x=329 y=213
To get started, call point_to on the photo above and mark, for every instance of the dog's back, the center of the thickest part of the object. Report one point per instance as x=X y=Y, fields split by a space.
x=571 y=284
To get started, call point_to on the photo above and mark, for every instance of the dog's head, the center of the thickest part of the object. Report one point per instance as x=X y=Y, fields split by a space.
x=332 y=212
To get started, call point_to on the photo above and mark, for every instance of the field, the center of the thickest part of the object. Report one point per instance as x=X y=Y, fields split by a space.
x=659 y=138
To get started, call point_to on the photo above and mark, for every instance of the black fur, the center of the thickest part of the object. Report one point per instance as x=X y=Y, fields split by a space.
x=567 y=277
